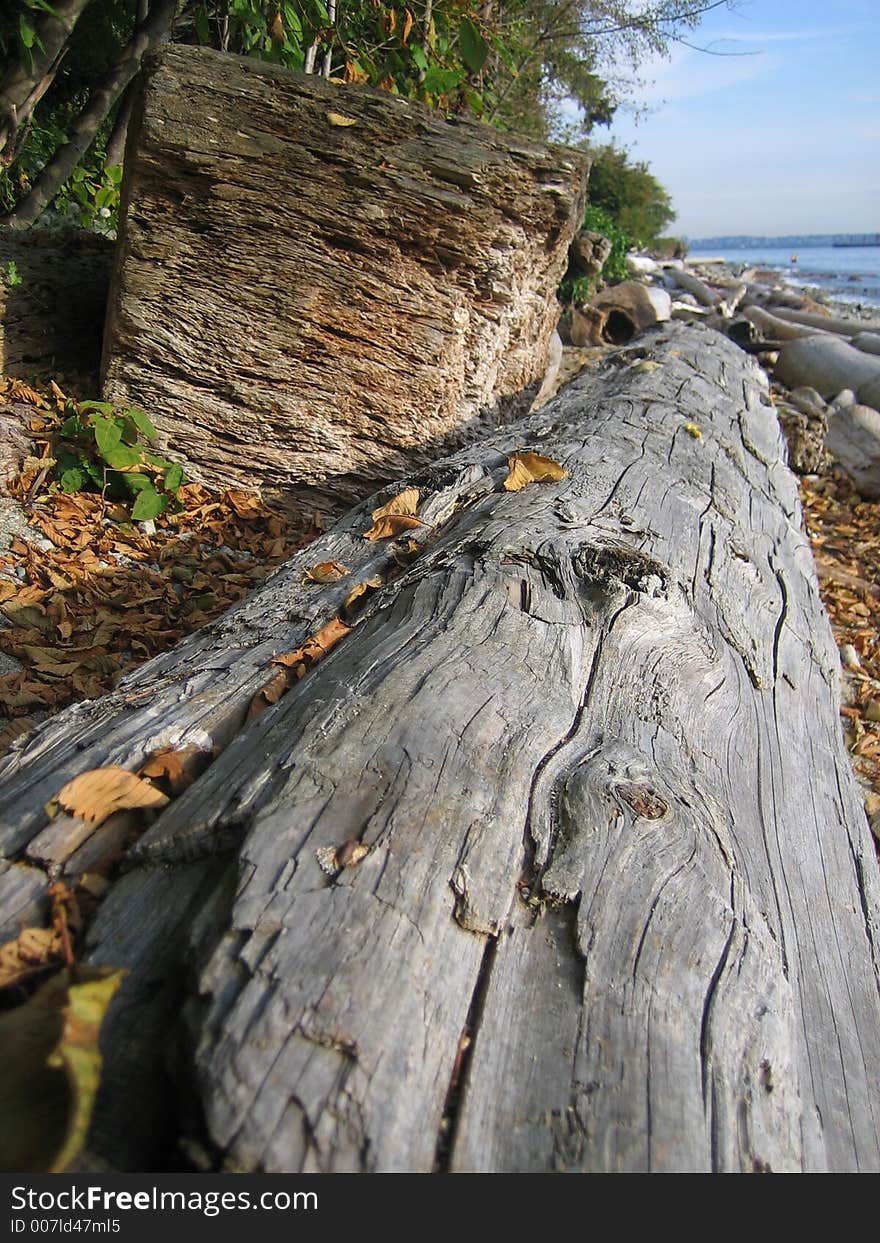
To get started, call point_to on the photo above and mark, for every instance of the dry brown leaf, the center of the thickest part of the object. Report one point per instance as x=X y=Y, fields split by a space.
x=98 y=793
x=336 y=118
x=325 y=572
x=32 y=950
x=525 y=468
x=276 y=28
x=406 y=502
x=175 y=770
x=407 y=26
x=391 y=525
x=360 y=589
x=296 y=664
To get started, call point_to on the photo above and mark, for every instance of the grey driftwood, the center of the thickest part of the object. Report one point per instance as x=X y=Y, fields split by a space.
x=620 y=905
x=316 y=285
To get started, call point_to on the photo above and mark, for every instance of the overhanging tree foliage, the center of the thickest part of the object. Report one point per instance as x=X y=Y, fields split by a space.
x=518 y=63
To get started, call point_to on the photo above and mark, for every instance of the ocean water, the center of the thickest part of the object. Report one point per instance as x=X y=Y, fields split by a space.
x=845 y=273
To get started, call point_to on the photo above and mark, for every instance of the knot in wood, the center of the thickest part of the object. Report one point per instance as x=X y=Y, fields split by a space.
x=644 y=801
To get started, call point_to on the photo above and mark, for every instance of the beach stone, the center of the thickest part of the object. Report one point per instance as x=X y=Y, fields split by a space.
x=867 y=342
x=846 y=397
x=854 y=440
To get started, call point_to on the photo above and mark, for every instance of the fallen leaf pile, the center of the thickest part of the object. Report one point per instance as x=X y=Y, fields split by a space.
x=845 y=534
x=89 y=594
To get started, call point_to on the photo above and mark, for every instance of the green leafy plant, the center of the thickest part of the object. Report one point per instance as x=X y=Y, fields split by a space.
x=98 y=449
x=13 y=276
x=614 y=270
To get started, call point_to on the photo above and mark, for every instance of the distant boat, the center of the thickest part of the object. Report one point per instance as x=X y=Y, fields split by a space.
x=794 y=259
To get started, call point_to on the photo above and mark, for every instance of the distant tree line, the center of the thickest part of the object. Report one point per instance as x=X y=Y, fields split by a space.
x=67 y=71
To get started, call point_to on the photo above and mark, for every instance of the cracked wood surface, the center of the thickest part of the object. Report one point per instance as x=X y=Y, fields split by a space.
x=589 y=734
x=315 y=306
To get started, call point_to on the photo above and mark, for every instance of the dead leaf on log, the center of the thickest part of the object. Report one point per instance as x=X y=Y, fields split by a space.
x=391 y=525
x=360 y=589
x=336 y=118
x=175 y=770
x=97 y=794
x=296 y=664
x=525 y=468
x=325 y=572
x=51 y=1069
x=693 y=430
x=405 y=502
x=34 y=949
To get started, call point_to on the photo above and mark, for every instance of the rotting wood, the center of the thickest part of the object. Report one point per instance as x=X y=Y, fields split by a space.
x=588 y=731
x=316 y=307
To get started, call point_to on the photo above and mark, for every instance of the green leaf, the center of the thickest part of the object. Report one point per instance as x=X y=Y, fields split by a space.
x=74 y=479
x=103 y=407
x=149 y=504
x=26 y=32
x=142 y=423
x=473 y=47
x=203 y=27
x=114 y=172
x=121 y=457
x=137 y=483
x=73 y=426
x=419 y=58
x=108 y=434
x=174 y=477
x=439 y=81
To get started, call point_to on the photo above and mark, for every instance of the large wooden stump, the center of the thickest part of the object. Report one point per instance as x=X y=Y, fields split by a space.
x=619 y=908
x=316 y=286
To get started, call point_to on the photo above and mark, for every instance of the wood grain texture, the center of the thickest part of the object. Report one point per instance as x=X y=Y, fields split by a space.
x=317 y=307
x=589 y=733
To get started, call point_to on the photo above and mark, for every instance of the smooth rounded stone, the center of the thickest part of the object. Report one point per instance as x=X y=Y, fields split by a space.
x=641 y=265
x=854 y=439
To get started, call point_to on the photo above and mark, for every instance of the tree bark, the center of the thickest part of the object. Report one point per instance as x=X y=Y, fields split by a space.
x=619 y=908
x=23 y=85
x=317 y=286
x=89 y=121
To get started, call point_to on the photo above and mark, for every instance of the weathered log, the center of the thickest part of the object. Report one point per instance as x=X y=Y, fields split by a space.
x=317 y=285
x=588 y=733
x=828 y=323
x=52 y=310
x=693 y=285
x=616 y=315
x=867 y=342
x=774 y=328
x=854 y=439
x=829 y=364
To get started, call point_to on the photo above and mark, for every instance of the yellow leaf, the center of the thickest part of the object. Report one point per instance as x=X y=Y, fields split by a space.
x=51 y=1069
x=647 y=365
x=325 y=572
x=97 y=794
x=693 y=430
x=525 y=468
x=336 y=118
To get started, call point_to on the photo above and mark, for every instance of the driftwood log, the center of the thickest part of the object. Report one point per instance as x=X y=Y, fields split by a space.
x=316 y=286
x=619 y=904
x=829 y=364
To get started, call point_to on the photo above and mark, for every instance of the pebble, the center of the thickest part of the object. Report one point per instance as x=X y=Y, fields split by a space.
x=850 y=657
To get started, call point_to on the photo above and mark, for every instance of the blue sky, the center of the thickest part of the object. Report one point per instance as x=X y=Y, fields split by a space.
x=786 y=140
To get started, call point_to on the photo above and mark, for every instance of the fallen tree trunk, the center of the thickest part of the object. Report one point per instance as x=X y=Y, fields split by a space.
x=316 y=286
x=556 y=861
x=829 y=365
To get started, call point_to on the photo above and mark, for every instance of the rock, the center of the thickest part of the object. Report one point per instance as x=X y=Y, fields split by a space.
x=808 y=401
x=854 y=439
x=641 y=265
x=846 y=397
